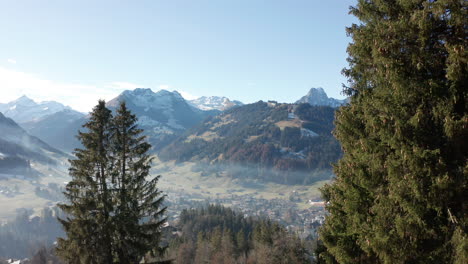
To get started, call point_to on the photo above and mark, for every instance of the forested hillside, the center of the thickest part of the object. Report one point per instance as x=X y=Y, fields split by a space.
x=284 y=143
x=215 y=234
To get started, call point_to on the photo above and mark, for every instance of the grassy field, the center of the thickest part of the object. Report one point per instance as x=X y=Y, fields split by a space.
x=24 y=195
x=174 y=177
x=180 y=177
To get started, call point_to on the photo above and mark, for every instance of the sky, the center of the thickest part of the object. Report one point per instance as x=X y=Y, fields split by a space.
x=76 y=52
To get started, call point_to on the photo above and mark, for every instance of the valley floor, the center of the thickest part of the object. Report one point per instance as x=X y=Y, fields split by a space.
x=295 y=206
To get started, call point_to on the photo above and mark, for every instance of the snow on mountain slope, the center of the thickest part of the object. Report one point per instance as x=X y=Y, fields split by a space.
x=163 y=115
x=214 y=103
x=25 y=109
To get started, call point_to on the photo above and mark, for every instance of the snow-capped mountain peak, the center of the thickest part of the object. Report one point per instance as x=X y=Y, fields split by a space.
x=175 y=95
x=23 y=100
x=146 y=98
x=214 y=103
x=24 y=109
x=162 y=114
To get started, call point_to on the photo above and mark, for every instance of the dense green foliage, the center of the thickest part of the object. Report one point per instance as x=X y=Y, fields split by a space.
x=114 y=215
x=400 y=191
x=136 y=199
x=262 y=139
x=215 y=234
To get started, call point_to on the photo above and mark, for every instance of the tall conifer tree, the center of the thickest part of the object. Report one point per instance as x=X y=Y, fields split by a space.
x=139 y=212
x=115 y=214
x=88 y=225
x=400 y=190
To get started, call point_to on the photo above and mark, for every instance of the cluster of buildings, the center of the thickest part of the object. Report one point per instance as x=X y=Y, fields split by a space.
x=302 y=221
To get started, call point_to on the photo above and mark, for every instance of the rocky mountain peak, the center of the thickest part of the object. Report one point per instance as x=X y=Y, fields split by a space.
x=318 y=96
x=24 y=100
x=24 y=109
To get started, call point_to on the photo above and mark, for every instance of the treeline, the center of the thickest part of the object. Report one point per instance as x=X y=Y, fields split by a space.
x=208 y=234
x=215 y=234
x=249 y=136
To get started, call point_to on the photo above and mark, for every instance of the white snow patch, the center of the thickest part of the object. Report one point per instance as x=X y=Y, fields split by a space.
x=163 y=130
x=308 y=133
x=293 y=155
x=204 y=107
x=148 y=99
x=213 y=102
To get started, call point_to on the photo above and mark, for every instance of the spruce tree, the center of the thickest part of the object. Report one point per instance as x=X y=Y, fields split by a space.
x=139 y=211
x=114 y=214
x=88 y=224
x=400 y=188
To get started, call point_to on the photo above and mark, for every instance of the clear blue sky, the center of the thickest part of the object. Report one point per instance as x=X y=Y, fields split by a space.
x=247 y=50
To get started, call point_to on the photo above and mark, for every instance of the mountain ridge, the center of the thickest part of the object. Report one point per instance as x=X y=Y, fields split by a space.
x=24 y=109
x=270 y=141
x=18 y=148
x=163 y=115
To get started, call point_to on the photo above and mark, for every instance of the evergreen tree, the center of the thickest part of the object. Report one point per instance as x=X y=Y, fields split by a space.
x=114 y=213
x=88 y=226
x=139 y=211
x=203 y=251
x=399 y=191
x=241 y=243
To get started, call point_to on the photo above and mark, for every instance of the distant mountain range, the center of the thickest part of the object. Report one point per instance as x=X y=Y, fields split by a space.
x=164 y=115
x=317 y=96
x=50 y=121
x=25 y=109
x=220 y=103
